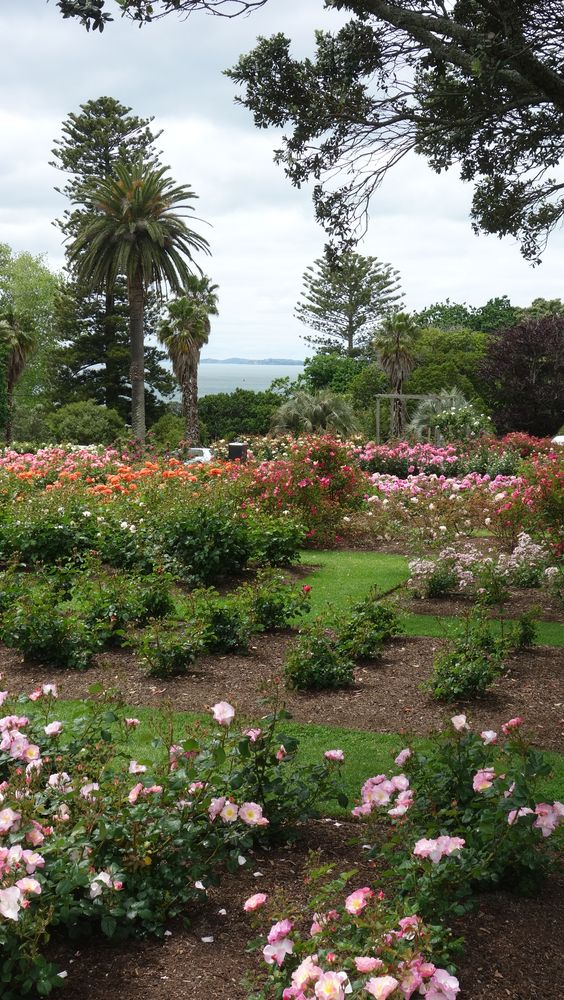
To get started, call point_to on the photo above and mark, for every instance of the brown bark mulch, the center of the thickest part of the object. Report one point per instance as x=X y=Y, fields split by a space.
x=512 y=951
x=389 y=694
x=545 y=607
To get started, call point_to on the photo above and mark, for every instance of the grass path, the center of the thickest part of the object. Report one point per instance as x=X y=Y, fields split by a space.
x=366 y=754
x=339 y=577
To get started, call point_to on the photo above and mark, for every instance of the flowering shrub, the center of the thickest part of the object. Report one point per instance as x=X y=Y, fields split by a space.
x=466 y=815
x=88 y=834
x=354 y=945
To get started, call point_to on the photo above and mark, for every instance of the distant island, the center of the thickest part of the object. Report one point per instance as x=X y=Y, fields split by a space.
x=250 y=361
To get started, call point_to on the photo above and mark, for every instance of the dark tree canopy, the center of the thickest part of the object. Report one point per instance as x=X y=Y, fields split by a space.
x=96 y=15
x=476 y=83
x=523 y=373
x=496 y=314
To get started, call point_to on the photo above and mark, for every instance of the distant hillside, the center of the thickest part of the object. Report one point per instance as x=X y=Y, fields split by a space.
x=250 y=361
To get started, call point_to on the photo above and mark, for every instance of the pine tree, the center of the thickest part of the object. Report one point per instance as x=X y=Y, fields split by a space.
x=344 y=299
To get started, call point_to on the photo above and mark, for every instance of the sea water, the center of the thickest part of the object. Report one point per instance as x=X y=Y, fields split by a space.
x=225 y=378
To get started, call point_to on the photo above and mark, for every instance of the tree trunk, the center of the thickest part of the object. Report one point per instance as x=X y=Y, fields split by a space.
x=190 y=406
x=136 y=296
x=9 y=413
x=112 y=375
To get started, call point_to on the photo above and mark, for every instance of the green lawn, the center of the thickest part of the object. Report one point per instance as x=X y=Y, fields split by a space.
x=366 y=754
x=339 y=577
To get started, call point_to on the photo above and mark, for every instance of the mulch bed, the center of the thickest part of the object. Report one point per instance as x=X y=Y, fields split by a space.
x=388 y=695
x=546 y=608
x=513 y=946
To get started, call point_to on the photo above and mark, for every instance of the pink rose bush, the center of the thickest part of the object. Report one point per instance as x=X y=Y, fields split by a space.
x=361 y=944
x=95 y=835
x=465 y=813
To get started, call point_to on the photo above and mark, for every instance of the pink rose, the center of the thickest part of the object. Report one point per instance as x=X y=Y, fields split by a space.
x=512 y=724
x=53 y=729
x=459 y=723
x=364 y=963
x=223 y=713
x=381 y=986
x=253 y=902
x=334 y=755
x=402 y=757
x=489 y=736
x=357 y=900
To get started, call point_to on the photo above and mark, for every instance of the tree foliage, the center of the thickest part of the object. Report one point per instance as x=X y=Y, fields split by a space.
x=448 y=359
x=134 y=227
x=523 y=372
x=345 y=296
x=184 y=331
x=92 y=359
x=233 y=415
x=315 y=413
x=496 y=314
x=476 y=83
x=94 y=14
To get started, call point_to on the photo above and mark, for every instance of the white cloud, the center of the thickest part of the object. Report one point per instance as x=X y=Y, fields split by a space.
x=262 y=233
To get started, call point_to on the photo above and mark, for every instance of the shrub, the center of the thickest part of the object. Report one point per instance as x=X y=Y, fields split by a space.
x=275 y=541
x=205 y=544
x=47 y=536
x=42 y=631
x=168 y=652
x=86 y=423
x=226 y=621
x=316 y=662
x=108 y=842
x=474 y=661
x=274 y=603
x=466 y=816
x=367 y=627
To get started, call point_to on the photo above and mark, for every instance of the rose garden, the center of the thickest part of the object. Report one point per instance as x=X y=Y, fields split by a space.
x=295 y=721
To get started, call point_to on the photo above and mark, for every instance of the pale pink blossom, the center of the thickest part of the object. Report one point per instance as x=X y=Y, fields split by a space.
x=97 y=883
x=279 y=930
x=402 y=757
x=334 y=755
x=437 y=849
x=132 y=723
x=253 y=734
x=223 y=713
x=489 y=736
x=548 y=817
x=53 y=729
x=32 y=861
x=442 y=986
x=459 y=723
x=50 y=689
x=229 y=812
x=330 y=986
x=3 y=696
x=277 y=952
x=483 y=779
x=87 y=790
x=357 y=900
x=35 y=837
x=27 y=884
x=135 y=793
x=253 y=902
x=135 y=768
x=516 y=814
x=400 y=783
x=215 y=807
x=307 y=971
x=281 y=752
x=10 y=902
x=251 y=814
x=381 y=986
x=365 y=963
x=9 y=820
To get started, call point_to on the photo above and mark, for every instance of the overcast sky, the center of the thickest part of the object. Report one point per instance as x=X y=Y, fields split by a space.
x=262 y=231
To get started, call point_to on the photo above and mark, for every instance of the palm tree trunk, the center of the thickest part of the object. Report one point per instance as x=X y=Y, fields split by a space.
x=136 y=295
x=190 y=406
x=9 y=413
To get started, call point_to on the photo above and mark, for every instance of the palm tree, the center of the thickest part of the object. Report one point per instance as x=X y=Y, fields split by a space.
x=315 y=413
x=18 y=344
x=184 y=332
x=429 y=410
x=131 y=229
x=394 y=341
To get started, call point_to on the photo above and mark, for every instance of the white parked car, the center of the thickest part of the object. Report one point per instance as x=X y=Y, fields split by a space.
x=559 y=439
x=198 y=455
